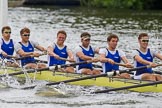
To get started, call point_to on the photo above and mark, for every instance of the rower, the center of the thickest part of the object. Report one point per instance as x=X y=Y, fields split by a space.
x=7 y=46
x=25 y=48
x=111 y=57
x=144 y=56
x=58 y=52
x=85 y=52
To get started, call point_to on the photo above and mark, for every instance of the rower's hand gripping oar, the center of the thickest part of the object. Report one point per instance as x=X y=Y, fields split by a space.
x=113 y=73
x=66 y=59
x=20 y=58
x=124 y=65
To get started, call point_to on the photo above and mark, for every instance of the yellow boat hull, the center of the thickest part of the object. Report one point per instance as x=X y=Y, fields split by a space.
x=101 y=81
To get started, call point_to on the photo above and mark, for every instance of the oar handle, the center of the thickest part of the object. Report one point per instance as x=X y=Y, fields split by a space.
x=158 y=65
x=124 y=65
x=20 y=58
x=73 y=64
x=11 y=56
x=66 y=59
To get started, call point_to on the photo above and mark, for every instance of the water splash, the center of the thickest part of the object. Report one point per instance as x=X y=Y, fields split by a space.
x=10 y=82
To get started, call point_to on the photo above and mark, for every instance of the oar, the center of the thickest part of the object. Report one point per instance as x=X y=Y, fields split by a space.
x=11 y=56
x=113 y=73
x=43 y=61
x=124 y=65
x=20 y=58
x=66 y=59
x=120 y=64
x=157 y=72
x=128 y=87
x=55 y=67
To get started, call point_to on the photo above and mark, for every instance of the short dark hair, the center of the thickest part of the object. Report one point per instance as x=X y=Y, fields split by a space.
x=142 y=35
x=85 y=34
x=25 y=29
x=62 y=32
x=112 y=36
x=5 y=27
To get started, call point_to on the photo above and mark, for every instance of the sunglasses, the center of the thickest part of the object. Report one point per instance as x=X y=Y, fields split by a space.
x=7 y=32
x=145 y=41
x=26 y=34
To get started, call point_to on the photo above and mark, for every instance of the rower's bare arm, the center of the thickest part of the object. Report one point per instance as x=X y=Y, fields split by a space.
x=127 y=63
x=4 y=54
x=142 y=61
x=159 y=56
x=41 y=48
x=83 y=57
x=24 y=54
x=51 y=53
x=103 y=59
x=97 y=50
x=71 y=56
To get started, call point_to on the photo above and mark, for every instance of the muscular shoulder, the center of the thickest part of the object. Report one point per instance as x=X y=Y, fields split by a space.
x=102 y=51
x=78 y=49
x=33 y=43
x=17 y=46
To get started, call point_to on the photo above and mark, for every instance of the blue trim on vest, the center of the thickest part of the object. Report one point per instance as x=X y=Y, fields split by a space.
x=62 y=53
x=90 y=53
x=29 y=48
x=8 y=48
x=147 y=57
x=109 y=67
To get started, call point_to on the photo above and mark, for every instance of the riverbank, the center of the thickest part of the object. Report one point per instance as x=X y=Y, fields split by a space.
x=15 y=3
x=53 y=2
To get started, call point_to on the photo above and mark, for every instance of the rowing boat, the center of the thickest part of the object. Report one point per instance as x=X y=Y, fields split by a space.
x=101 y=81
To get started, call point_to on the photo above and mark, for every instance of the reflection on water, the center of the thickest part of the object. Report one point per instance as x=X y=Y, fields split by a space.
x=44 y=23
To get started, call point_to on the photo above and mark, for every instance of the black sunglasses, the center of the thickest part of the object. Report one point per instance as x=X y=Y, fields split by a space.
x=26 y=34
x=7 y=32
x=145 y=40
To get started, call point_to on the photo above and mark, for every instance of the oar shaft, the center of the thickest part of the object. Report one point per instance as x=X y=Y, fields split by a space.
x=133 y=69
x=129 y=87
x=74 y=64
x=20 y=58
x=66 y=59
x=77 y=79
x=71 y=80
x=124 y=65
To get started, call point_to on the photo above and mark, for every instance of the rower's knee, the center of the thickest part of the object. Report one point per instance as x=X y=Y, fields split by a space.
x=149 y=77
x=96 y=72
x=87 y=71
x=70 y=70
x=158 y=78
x=125 y=75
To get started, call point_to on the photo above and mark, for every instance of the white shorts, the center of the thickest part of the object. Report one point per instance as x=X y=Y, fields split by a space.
x=79 y=71
x=138 y=77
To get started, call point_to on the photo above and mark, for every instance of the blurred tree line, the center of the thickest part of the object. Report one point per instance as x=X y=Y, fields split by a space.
x=124 y=4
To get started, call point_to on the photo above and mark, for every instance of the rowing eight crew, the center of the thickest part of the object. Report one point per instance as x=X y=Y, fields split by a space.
x=58 y=52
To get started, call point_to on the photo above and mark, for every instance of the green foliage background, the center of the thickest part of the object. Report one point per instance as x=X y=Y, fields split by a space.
x=123 y=4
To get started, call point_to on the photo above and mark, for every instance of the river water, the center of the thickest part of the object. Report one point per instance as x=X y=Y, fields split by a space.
x=44 y=23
